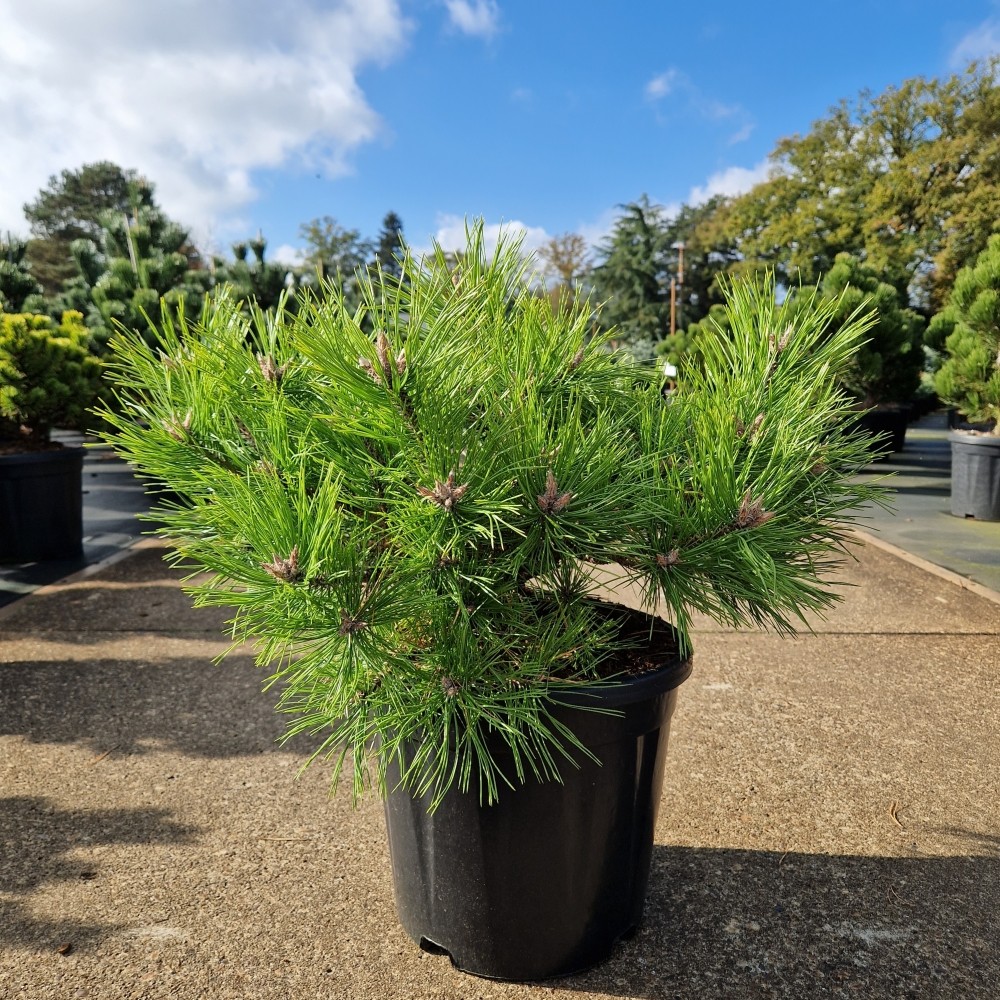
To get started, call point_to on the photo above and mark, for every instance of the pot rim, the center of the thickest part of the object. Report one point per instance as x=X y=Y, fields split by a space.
x=65 y=453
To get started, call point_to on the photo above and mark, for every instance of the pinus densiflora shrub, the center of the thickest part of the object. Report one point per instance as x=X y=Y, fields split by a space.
x=408 y=521
x=969 y=330
x=48 y=375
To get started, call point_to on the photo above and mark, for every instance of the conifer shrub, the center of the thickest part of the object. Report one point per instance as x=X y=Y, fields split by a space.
x=413 y=505
x=48 y=377
x=968 y=328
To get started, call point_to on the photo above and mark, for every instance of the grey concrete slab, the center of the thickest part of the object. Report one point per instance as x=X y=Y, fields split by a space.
x=830 y=825
x=921 y=521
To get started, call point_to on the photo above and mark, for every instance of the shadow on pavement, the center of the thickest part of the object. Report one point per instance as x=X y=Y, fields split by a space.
x=36 y=841
x=734 y=923
x=133 y=707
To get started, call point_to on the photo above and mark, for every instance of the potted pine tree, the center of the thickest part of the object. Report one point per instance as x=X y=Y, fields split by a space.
x=48 y=378
x=969 y=379
x=428 y=529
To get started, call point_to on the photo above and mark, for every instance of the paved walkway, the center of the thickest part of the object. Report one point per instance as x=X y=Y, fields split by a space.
x=830 y=825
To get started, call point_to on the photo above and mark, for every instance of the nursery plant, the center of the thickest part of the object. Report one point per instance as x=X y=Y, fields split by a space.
x=969 y=379
x=424 y=511
x=968 y=329
x=386 y=512
x=48 y=378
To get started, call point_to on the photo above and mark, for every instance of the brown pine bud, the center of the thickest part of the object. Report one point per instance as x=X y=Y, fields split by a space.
x=270 y=370
x=367 y=366
x=445 y=494
x=552 y=501
x=178 y=429
x=286 y=570
x=383 y=355
x=672 y=558
x=349 y=625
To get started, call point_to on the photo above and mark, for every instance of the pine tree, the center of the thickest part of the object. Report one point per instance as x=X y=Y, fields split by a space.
x=251 y=277
x=16 y=280
x=631 y=279
x=969 y=329
x=391 y=244
x=72 y=207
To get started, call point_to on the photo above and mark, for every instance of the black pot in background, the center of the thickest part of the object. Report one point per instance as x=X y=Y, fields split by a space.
x=887 y=427
x=41 y=505
x=975 y=475
x=544 y=882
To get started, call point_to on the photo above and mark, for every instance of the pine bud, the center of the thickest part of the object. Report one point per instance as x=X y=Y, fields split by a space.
x=286 y=570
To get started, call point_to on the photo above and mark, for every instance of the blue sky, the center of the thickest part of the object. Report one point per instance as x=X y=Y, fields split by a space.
x=255 y=114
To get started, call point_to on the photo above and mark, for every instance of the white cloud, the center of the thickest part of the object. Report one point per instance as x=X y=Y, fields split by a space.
x=742 y=134
x=980 y=43
x=450 y=233
x=287 y=254
x=195 y=96
x=474 y=17
x=663 y=84
x=731 y=181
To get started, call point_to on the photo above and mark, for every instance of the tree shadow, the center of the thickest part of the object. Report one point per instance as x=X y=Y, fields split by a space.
x=123 y=707
x=726 y=923
x=35 y=840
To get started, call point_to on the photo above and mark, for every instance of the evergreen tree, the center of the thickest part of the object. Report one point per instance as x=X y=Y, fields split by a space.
x=252 y=278
x=631 y=279
x=73 y=207
x=143 y=264
x=886 y=369
x=391 y=245
x=969 y=328
x=16 y=281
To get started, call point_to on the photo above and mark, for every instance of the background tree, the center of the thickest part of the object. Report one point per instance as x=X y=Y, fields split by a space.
x=886 y=368
x=390 y=245
x=252 y=277
x=969 y=328
x=933 y=207
x=16 y=282
x=72 y=207
x=631 y=278
x=566 y=258
x=335 y=253
x=144 y=263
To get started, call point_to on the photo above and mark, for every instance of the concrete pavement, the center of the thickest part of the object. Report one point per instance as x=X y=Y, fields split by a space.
x=830 y=825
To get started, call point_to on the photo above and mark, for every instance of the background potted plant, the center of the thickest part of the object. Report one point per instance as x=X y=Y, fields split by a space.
x=48 y=378
x=884 y=376
x=427 y=528
x=968 y=328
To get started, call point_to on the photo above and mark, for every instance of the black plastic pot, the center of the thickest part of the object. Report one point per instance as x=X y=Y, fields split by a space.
x=887 y=427
x=544 y=882
x=41 y=505
x=975 y=475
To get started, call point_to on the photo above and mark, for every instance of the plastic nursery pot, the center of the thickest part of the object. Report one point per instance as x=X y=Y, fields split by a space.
x=41 y=505
x=544 y=882
x=975 y=475
x=887 y=429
